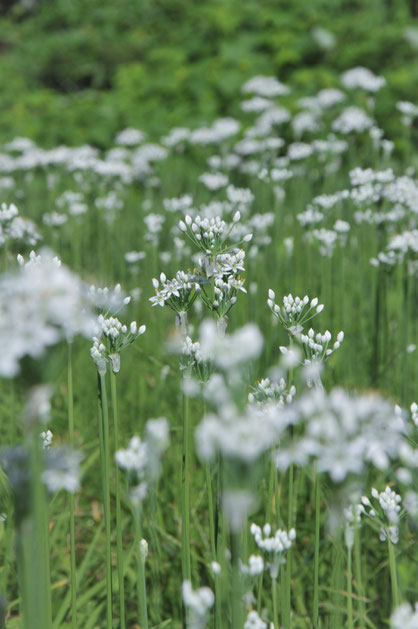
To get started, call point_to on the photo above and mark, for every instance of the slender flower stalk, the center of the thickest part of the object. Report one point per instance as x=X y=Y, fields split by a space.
x=316 y=552
x=105 y=452
x=119 y=543
x=359 y=577
x=349 y=590
x=141 y=553
x=73 y=575
x=185 y=493
x=236 y=595
x=396 y=599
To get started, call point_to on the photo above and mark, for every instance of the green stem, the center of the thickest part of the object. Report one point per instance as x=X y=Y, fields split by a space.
x=349 y=590
x=393 y=575
x=73 y=575
x=141 y=587
x=35 y=548
x=286 y=619
x=104 y=442
x=236 y=582
x=185 y=494
x=316 y=556
x=274 y=597
x=359 y=577
x=119 y=544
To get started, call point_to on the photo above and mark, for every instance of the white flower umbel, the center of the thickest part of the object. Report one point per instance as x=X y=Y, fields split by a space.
x=317 y=346
x=14 y=228
x=343 y=432
x=362 y=78
x=386 y=510
x=265 y=86
x=178 y=294
x=112 y=338
x=352 y=519
x=231 y=350
x=405 y=617
x=254 y=621
x=274 y=546
x=295 y=312
x=62 y=470
x=40 y=304
x=198 y=604
x=255 y=566
x=267 y=390
x=109 y=300
x=210 y=235
x=46 y=439
x=142 y=459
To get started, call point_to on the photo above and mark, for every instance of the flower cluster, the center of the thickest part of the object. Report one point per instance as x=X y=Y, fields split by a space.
x=295 y=312
x=15 y=228
x=141 y=460
x=405 y=617
x=267 y=390
x=42 y=303
x=197 y=603
x=342 y=432
x=274 y=546
x=254 y=621
x=387 y=511
x=111 y=339
x=178 y=293
x=316 y=346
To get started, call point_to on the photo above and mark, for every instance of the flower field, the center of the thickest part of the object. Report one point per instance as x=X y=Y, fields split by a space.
x=208 y=376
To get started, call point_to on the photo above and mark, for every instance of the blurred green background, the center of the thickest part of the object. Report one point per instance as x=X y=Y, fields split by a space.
x=78 y=71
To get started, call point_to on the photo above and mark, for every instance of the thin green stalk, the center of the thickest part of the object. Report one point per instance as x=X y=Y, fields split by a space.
x=119 y=544
x=104 y=442
x=36 y=549
x=236 y=582
x=270 y=491
x=141 y=587
x=393 y=575
x=349 y=590
x=288 y=585
x=73 y=576
x=274 y=597
x=359 y=577
x=185 y=494
x=316 y=555
x=211 y=511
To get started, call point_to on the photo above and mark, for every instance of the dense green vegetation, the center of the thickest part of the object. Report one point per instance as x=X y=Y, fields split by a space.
x=78 y=71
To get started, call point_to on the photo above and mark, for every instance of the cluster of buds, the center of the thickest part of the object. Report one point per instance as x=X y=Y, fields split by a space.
x=142 y=459
x=267 y=391
x=317 y=345
x=275 y=546
x=210 y=234
x=218 y=283
x=352 y=517
x=255 y=566
x=111 y=339
x=178 y=293
x=295 y=312
x=387 y=512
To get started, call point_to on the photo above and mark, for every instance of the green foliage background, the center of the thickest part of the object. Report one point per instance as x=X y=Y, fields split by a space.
x=76 y=71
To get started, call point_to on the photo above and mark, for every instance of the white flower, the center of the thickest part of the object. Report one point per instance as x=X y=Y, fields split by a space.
x=266 y=86
x=231 y=350
x=405 y=617
x=362 y=78
x=197 y=603
x=40 y=304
